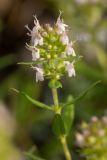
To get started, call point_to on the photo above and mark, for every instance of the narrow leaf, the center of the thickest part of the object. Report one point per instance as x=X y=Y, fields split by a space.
x=35 y=102
x=58 y=125
x=68 y=115
x=32 y=62
x=29 y=63
x=32 y=157
x=81 y=95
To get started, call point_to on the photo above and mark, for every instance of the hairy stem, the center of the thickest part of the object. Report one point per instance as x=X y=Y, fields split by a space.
x=57 y=110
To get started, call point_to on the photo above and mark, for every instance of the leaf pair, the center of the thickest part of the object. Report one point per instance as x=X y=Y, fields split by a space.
x=69 y=102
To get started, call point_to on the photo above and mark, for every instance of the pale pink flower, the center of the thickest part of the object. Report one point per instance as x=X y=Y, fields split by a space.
x=60 y=26
x=94 y=119
x=37 y=39
x=37 y=25
x=80 y=139
x=64 y=39
x=70 y=50
x=35 y=54
x=101 y=132
x=39 y=74
x=70 y=69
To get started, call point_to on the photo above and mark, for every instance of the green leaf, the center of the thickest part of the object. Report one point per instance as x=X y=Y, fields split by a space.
x=68 y=115
x=58 y=125
x=30 y=156
x=81 y=95
x=35 y=102
x=31 y=63
x=55 y=84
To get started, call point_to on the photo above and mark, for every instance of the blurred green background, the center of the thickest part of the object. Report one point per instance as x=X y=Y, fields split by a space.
x=22 y=125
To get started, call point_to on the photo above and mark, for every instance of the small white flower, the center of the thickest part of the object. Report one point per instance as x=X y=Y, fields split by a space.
x=48 y=27
x=32 y=32
x=70 y=50
x=27 y=27
x=101 y=132
x=94 y=119
x=64 y=39
x=60 y=26
x=37 y=39
x=35 y=54
x=70 y=69
x=80 y=139
x=39 y=74
x=37 y=25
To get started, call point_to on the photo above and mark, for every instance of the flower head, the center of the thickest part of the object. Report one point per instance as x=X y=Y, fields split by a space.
x=92 y=138
x=52 y=50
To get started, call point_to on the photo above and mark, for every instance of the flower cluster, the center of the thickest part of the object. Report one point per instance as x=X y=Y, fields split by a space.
x=92 y=139
x=52 y=52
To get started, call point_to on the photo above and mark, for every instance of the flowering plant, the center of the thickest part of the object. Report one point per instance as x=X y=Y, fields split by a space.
x=52 y=56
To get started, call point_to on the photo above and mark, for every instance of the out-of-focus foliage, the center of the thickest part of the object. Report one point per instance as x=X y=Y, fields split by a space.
x=7 y=150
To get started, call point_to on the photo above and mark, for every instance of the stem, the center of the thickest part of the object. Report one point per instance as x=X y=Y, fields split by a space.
x=55 y=96
x=65 y=148
x=57 y=110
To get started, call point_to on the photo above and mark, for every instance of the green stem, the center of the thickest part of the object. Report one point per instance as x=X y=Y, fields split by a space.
x=65 y=148
x=57 y=110
x=55 y=96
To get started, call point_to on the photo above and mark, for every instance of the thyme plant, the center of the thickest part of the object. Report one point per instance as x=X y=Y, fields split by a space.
x=53 y=56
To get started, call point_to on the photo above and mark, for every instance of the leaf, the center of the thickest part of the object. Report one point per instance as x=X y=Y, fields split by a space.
x=33 y=101
x=32 y=62
x=32 y=157
x=68 y=115
x=81 y=95
x=58 y=125
x=55 y=84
